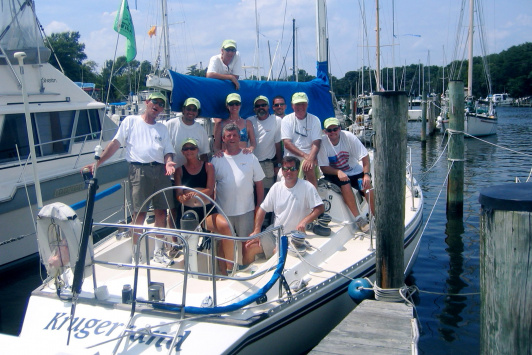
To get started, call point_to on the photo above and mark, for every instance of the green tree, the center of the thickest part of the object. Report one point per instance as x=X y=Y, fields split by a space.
x=69 y=51
x=194 y=71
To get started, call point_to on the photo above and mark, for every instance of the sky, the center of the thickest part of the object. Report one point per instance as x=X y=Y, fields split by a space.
x=425 y=30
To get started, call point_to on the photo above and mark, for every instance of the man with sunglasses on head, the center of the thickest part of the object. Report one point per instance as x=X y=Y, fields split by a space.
x=268 y=139
x=294 y=202
x=343 y=151
x=301 y=135
x=227 y=64
x=149 y=152
x=279 y=106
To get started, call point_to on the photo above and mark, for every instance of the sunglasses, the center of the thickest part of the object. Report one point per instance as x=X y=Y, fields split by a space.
x=261 y=105
x=160 y=103
x=230 y=49
x=234 y=103
x=332 y=129
x=191 y=109
x=291 y=168
x=278 y=105
x=188 y=148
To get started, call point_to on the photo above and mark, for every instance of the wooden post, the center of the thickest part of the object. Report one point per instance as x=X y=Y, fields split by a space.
x=424 y=116
x=505 y=264
x=390 y=115
x=432 y=115
x=455 y=155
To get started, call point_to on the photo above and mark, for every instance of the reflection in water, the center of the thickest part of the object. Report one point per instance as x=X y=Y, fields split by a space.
x=450 y=317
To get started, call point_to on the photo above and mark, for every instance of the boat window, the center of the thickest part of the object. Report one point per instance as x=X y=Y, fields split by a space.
x=88 y=124
x=52 y=133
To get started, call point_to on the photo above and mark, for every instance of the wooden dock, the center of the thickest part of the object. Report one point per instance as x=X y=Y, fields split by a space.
x=373 y=327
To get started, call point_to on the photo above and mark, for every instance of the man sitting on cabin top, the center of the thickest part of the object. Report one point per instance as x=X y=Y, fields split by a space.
x=294 y=202
x=343 y=150
x=226 y=65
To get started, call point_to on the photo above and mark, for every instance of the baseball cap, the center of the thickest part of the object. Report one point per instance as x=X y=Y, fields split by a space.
x=228 y=43
x=192 y=101
x=157 y=95
x=189 y=141
x=332 y=121
x=233 y=97
x=261 y=97
x=299 y=97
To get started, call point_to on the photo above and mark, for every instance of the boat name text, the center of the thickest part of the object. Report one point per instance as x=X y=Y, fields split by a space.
x=69 y=189
x=48 y=80
x=83 y=328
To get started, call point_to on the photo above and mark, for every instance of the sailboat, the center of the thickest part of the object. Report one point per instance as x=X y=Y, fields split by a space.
x=282 y=305
x=66 y=125
x=480 y=114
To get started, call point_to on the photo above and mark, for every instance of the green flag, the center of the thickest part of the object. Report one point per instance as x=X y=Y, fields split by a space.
x=124 y=26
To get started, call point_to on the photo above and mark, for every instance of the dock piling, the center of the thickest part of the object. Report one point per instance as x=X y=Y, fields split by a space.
x=505 y=264
x=455 y=155
x=390 y=116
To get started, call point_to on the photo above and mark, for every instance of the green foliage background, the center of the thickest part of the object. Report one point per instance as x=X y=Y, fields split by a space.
x=511 y=72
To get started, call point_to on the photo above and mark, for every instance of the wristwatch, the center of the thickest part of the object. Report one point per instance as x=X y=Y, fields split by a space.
x=369 y=174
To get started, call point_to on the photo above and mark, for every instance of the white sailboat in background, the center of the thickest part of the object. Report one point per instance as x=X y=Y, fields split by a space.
x=480 y=114
x=66 y=123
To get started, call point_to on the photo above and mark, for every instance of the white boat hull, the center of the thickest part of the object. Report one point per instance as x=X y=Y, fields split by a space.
x=283 y=326
x=480 y=125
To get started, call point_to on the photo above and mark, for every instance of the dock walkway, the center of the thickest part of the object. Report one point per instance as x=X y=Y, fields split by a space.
x=373 y=327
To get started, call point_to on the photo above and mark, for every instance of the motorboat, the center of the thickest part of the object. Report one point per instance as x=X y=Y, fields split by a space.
x=502 y=99
x=66 y=126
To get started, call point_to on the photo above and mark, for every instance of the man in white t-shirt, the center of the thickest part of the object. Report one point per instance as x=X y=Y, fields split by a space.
x=268 y=139
x=342 y=150
x=301 y=135
x=149 y=152
x=294 y=202
x=227 y=64
x=181 y=128
x=236 y=174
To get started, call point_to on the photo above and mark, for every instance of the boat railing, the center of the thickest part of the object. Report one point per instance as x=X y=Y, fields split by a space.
x=43 y=158
x=182 y=237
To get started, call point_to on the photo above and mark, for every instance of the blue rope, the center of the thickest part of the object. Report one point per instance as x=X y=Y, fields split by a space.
x=237 y=305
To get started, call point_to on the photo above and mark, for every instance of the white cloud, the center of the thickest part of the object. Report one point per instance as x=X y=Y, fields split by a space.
x=55 y=27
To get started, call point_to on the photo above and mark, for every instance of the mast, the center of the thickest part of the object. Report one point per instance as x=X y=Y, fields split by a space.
x=257 y=32
x=470 y=65
x=294 y=49
x=378 y=54
x=166 y=38
x=321 y=31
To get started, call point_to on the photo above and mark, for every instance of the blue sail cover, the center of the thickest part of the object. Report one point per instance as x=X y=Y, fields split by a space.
x=212 y=93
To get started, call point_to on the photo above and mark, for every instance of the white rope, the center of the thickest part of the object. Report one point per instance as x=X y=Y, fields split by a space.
x=493 y=144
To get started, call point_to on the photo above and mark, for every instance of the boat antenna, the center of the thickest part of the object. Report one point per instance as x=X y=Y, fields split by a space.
x=29 y=127
x=85 y=235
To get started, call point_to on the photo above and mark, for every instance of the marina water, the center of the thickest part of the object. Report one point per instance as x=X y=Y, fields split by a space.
x=448 y=261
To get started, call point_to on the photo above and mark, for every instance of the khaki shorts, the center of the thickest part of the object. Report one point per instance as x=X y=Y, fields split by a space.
x=145 y=180
x=268 y=168
x=243 y=225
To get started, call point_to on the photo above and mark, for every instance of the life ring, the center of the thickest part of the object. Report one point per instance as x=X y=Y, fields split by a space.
x=58 y=237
